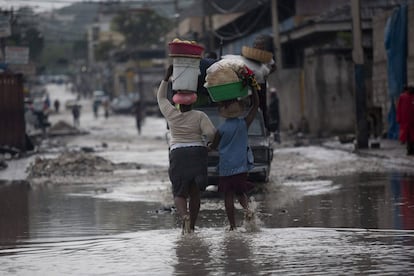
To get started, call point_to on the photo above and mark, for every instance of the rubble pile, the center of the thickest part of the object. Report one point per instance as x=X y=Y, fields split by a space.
x=62 y=127
x=70 y=164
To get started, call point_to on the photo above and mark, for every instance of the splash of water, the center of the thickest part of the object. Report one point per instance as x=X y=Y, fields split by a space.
x=252 y=222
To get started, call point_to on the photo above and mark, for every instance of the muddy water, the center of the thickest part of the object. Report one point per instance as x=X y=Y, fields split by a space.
x=362 y=224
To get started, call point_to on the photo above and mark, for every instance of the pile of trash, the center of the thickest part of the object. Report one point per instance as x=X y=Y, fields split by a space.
x=70 y=164
x=63 y=128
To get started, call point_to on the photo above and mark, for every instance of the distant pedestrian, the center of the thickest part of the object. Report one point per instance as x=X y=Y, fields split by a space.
x=138 y=115
x=274 y=114
x=76 y=114
x=405 y=117
x=56 y=104
x=47 y=101
x=95 y=106
x=105 y=104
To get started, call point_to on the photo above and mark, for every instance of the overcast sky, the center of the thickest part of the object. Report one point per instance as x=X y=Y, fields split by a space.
x=48 y=5
x=38 y=5
x=45 y=5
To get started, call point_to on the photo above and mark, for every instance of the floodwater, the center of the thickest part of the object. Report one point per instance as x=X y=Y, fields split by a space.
x=361 y=224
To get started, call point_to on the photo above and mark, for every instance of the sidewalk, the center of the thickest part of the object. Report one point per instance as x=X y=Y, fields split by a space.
x=392 y=150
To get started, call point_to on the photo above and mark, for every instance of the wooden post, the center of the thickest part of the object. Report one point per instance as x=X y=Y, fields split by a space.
x=361 y=127
x=276 y=35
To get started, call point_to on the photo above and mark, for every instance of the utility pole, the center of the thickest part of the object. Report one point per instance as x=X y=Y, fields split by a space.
x=176 y=18
x=276 y=35
x=5 y=30
x=361 y=127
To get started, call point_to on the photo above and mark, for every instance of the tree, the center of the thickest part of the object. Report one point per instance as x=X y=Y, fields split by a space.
x=103 y=50
x=142 y=28
x=25 y=33
x=80 y=49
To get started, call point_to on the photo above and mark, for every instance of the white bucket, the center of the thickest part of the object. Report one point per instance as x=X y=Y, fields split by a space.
x=185 y=73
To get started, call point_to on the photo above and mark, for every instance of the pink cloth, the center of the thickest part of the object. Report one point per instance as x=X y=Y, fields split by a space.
x=184 y=98
x=405 y=117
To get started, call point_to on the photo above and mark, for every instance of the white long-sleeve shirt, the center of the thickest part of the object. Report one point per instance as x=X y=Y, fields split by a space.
x=193 y=127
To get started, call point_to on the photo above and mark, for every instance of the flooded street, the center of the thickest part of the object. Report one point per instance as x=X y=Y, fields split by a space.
x=335 y=214
x=359 y=225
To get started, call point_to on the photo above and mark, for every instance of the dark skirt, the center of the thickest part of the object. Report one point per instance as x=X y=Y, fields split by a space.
x=237 y=184
x=188 y=166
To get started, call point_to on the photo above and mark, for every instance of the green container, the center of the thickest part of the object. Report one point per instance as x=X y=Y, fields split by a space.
x=227 y=91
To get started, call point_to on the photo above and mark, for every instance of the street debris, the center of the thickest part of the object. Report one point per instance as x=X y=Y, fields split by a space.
x=3 y=164
x=74 y=164
x=63 y=128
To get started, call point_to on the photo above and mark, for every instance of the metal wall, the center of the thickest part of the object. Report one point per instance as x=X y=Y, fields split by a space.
x=12 y=123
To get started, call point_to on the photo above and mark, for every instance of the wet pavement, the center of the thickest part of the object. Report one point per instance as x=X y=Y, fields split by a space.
x=325 y=211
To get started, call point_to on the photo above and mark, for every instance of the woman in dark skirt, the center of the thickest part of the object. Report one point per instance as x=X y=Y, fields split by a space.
x=188 y=152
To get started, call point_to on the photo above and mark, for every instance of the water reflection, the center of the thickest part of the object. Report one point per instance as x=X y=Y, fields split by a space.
x=287 y=251
x=402 y=187
x=193 y=254
x=14 y=212
x=347 y=225
x=237 y=254
x=371 y=201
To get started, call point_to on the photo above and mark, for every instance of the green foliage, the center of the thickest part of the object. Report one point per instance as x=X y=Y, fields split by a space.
x=103 y=50
x=80 y=49
x=58 y=56
x=24 y=35
x=141 y=28
x=51 y=57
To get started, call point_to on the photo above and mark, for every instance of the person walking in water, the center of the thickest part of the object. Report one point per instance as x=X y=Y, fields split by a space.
x=235 y=156
x=188 y=152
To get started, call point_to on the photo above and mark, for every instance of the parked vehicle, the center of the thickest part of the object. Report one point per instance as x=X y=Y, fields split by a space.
x=98 y=96
x=70 y=103
x=122 y=104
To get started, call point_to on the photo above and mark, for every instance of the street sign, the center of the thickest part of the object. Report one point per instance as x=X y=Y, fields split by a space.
x=5 y=29
x=17 y=55
x=25 y=69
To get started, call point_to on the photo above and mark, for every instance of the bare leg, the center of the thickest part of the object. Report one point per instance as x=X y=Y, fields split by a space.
x=229 y=205
x=181 y=205
x=194 y=204
x=244 y=201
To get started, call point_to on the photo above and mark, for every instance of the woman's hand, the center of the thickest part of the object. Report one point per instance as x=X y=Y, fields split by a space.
x=168 y=73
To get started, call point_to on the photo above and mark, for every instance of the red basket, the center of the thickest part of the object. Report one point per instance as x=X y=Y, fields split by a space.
x=185 y=49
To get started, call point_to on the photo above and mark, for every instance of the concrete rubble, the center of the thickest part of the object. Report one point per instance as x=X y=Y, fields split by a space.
x=74 y=164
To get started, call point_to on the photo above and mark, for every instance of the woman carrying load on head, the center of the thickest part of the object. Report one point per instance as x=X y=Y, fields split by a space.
x=190 y=130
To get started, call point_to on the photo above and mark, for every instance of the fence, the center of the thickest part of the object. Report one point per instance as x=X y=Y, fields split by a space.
x=12 y=122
